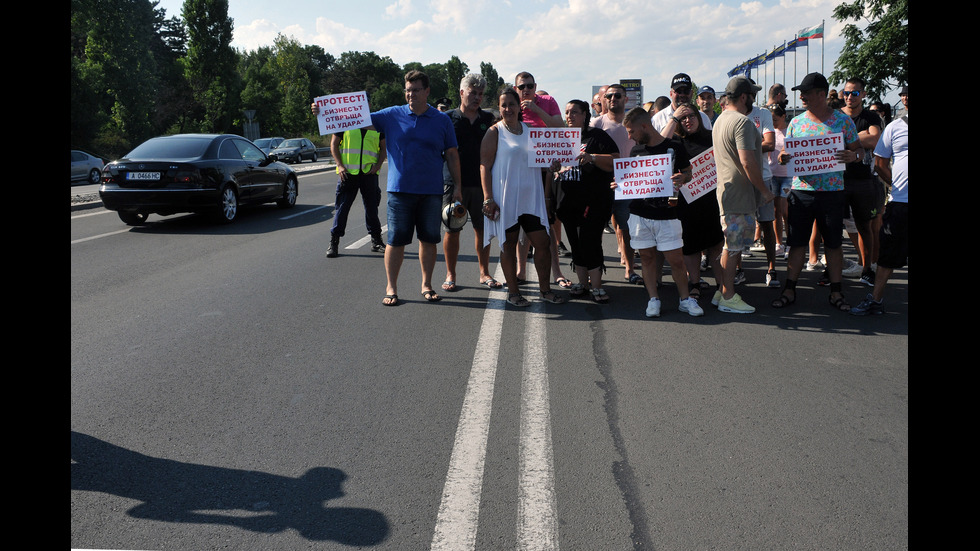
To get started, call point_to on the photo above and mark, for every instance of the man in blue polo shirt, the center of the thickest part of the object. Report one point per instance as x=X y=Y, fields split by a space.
x=418 y=136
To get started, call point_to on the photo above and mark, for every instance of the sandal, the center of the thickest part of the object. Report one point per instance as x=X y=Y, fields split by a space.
x=449 y=285
x=554 y=298
x=518 y=300
x=599 y=295
x=390 y=300
x=577 y=290
x=840 y=303
x=492 y=284
x=783 y=301
x=635 y=279
x=563 y=283
x=431 y=296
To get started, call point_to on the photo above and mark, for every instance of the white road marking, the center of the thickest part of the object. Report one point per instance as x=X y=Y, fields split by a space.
x=537 y=515
x=459 y=511
x=100 y=236
x=458 y=519
x=364 y=240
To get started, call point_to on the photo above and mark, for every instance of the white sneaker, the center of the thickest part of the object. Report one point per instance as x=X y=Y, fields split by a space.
x=653 y=308
x=735 y=305
x=691 y=306
x=852 y=269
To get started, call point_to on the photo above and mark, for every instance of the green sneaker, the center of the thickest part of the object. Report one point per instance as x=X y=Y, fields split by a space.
x=735 y=305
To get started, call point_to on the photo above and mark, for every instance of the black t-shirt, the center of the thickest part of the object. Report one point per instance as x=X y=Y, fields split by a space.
x=658 y=208
x=861 y=168
x=469 y=137
x=583 y=191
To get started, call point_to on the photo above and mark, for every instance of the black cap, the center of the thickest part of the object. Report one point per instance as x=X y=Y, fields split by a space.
x=905 y=90
x=811 y=81
x=741 y=85
x=680 y=80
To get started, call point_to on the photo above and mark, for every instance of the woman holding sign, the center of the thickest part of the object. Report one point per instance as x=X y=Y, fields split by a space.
x=700 y=220
x=514 y=198
x=586 y=200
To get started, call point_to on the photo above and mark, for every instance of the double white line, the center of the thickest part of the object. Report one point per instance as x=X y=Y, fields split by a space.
x=459 y=512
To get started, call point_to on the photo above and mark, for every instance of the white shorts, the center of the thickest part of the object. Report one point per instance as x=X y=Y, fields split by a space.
x=665 y=235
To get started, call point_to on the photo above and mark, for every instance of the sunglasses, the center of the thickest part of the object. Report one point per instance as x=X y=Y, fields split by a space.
x=526 y=86
x=616 y=95
x=850 y=93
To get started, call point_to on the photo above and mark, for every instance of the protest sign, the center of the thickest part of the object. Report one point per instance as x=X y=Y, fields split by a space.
x=340 y=112
x=814 y=154
x=704 y=176
x=639 y=177
x=548 y=144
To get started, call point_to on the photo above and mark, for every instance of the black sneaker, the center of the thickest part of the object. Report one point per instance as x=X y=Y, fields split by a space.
x=868 y=306
x=824 y=280
x=562 y=250
x=868 y=279
x=377 y=245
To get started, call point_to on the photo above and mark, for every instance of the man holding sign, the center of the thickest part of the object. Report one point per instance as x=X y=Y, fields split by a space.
x=819 y=142
x=653 y=223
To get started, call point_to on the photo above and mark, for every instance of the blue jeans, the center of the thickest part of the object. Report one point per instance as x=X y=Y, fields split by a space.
x=410 y=213
x=367 y=184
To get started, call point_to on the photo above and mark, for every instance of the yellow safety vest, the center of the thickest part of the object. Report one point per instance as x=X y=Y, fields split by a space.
x=359 y=155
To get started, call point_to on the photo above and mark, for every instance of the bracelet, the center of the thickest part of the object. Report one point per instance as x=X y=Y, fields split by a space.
x=488 y=201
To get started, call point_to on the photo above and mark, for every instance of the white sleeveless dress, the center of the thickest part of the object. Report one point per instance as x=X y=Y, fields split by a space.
x=517 y=188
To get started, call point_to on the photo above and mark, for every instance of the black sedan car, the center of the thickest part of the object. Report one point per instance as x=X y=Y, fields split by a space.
x=294 y=150
x=195 y=173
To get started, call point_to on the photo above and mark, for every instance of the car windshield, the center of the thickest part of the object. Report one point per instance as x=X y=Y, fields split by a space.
x=291 y=143
x=190 y=147
x=264 y=142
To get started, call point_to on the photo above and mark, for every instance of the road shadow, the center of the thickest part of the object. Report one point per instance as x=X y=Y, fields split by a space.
x=172 y=491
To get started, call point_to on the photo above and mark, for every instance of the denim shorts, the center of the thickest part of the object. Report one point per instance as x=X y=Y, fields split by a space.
x=410 y=213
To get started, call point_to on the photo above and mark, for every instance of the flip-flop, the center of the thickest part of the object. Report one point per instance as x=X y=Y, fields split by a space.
x=431 y=296
x=563 y=283
x=449 y=285
x=492 y=284
x=518 y=300
x=600 y=296
x=577 y=290
x=390 y=300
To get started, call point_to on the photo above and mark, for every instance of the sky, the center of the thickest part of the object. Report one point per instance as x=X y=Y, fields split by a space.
x=568 y=45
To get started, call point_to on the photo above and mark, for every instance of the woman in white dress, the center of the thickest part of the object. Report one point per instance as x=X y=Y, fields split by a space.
x=514 y=198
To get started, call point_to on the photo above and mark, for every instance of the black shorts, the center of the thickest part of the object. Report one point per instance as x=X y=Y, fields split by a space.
x=824 y=207
x=894 y=236
x=862 y=196
x=472 y=200
x=527 y=222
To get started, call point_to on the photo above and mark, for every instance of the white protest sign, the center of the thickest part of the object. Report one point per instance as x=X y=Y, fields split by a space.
x=814 y=154
x=704 y=176
x=549 y=144
x=340 y=112
x=639 y=177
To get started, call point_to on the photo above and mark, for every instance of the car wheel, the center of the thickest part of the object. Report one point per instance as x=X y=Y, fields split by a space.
x=131 y=218
x=228 y=209
x=314 y=156
x=95 y=176
x=288 y=199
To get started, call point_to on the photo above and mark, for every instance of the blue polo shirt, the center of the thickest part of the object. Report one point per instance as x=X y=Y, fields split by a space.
x=415 y=144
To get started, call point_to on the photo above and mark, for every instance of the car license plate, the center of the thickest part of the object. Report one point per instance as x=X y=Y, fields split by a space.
x=142 y=175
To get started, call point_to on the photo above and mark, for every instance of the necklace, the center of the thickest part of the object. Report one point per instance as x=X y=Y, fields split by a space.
x=512 y=131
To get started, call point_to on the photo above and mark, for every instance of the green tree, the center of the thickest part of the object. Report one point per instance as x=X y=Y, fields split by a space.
x=455 y=69
x=379 y=76
x=289 y=65
x=210 y=63
x=494 y=82
x=878 y=54
x=260 y=89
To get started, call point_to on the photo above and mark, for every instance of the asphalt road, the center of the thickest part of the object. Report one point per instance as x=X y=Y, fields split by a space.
x=231 y=388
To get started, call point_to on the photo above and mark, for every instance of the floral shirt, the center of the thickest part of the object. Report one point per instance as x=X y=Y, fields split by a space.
x=802 y=126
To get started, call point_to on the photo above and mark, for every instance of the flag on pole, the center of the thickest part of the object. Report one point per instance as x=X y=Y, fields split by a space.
x=812 y=32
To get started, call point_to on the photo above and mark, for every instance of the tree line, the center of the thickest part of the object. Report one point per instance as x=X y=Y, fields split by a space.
x=137 y=73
